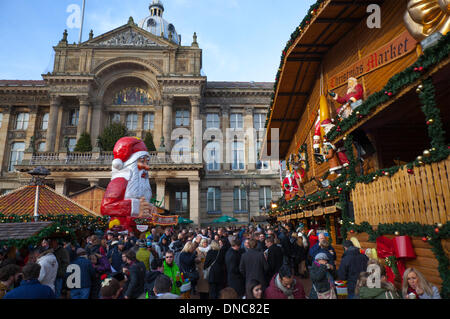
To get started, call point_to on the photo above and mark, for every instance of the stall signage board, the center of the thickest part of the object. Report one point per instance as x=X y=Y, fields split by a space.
x=395 y=49
x=300 y=215
x=311 y=188
x=318 y=211
x=308 y=213
x=330 y=209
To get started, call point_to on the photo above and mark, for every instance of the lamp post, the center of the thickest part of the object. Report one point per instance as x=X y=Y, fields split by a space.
x=247 y=184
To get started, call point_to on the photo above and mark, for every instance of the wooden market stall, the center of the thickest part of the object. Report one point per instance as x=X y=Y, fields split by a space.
x=363 y=126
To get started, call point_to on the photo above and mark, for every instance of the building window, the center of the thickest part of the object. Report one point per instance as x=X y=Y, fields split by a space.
x=41 y=147
x=236 y=121
x=44 y=123
x=237 y=150
x=17 y=150
x=72 y=143
x=22 y=121
x=182 y=118
x=115 y=118
x=240 y=200
x=73 y=117
x=181 y=202
x=265 y=196
x=213 y=203
x=260 y=164
x=213 y=156
x=132 y=120
x=212 y=121
x=259 y=120
x=149 y=121
x=181 y=147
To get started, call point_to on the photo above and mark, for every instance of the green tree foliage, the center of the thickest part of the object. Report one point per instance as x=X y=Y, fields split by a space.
x=148 y=140
x=111 y=134
x=84 y=143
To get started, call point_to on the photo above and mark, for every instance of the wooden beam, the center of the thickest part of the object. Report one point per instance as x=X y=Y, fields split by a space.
x=315 y=45
x=284 y=120
x=293 y=93
x=337 y=20
x=356 y=3
x=310 y=59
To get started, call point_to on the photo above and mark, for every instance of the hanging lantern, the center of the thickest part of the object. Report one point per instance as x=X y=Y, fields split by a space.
x=403 y=247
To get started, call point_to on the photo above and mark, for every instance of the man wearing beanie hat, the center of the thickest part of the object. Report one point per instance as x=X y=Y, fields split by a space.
x=352 y=264
x=87 y=273
x=128 y=194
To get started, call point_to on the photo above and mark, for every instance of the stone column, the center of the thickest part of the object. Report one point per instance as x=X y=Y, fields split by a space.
x=84 y=114
x=158 y=125
x=226 y=144
x=31 y=127
x=160 y=190
x=194 y=199
x=97 y=122
x=196 y=130
x=4 y=136
x=167 y=121
x=55 y=103
x=250 y=151
x=60 y=186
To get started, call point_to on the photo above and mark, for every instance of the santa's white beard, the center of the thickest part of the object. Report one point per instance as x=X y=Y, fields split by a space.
x=352 y=89
x=137 y=186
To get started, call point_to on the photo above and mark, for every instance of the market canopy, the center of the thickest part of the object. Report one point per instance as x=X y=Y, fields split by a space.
x=182 y=220
x=225 y=219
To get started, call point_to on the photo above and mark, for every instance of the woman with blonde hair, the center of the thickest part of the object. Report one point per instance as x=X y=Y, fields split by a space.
x=188 y=261
x=202 y=284
x=214 y=261
x=415 y=286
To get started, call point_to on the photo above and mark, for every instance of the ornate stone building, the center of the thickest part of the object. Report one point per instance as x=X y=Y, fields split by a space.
x=141 y=75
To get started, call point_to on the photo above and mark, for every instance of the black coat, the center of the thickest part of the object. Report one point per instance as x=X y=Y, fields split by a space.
x=352 y=264
x=320 y=277
x=150 y=278
x=234 y=276
x=274 y=259
x=217 y=272
x=253 y=265
x=136 y=280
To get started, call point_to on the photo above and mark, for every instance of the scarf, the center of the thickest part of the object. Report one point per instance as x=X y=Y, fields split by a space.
x=204 y=250
x=288 y=292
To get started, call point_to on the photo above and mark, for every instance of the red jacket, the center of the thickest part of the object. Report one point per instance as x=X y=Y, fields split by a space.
x=313 y=239
x=273 y=292
x=358 y=95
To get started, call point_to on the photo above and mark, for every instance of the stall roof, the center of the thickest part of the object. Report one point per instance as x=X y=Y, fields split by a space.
x=333 y=21
x=16 y=231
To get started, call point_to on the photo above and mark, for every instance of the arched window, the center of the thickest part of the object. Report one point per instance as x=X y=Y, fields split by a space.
x=212 y=156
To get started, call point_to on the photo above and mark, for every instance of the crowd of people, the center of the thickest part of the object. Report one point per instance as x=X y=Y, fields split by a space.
x=248 y=262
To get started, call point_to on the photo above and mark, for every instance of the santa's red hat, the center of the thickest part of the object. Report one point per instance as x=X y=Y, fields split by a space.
x=128 y=150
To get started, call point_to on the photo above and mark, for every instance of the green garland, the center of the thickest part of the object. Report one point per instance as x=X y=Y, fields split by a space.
x=55 y=229
x=91 y=223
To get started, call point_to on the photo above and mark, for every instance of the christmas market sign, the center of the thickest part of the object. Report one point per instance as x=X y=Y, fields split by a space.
x=330 y=209
x=397 y=48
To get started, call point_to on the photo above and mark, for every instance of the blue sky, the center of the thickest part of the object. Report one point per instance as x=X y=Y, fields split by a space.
x=241 y=40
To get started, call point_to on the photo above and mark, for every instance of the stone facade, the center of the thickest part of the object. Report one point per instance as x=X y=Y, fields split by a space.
x=149 y=83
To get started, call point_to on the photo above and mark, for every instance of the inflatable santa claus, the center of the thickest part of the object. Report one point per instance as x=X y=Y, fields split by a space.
x=128 y=194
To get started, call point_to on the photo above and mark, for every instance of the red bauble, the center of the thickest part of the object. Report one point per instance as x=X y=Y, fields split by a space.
x=436 y=230
x=424 y=239
x=410 y=171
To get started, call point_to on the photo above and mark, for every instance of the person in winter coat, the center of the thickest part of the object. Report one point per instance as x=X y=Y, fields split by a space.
x=135 y=271
x=415 y=286
x=322 y=279
x=254 y=265
x=101 y=266
x=188 y=263
x=274 y=257
x=254 y=290
x=202 y=284
x=156 y=269
x=215 y=260
x=115 y=256
x=285 y=286
x=49 y=267
x=63 y=258
x=172 y=271
x=232 y=262
x=385 y=291
x=87 y=273
x=8 y=274
x=352 y=264
x=323 y=246
x=143 y=255
x=30 y=287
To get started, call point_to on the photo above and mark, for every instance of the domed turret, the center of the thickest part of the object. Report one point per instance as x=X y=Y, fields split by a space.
x=157 y=25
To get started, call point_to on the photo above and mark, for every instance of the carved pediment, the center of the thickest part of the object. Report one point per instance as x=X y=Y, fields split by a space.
x=126 y=38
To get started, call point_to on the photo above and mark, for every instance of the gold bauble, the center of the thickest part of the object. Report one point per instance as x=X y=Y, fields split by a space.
x=397 y=233
x=419 y=158
x=426 y=153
